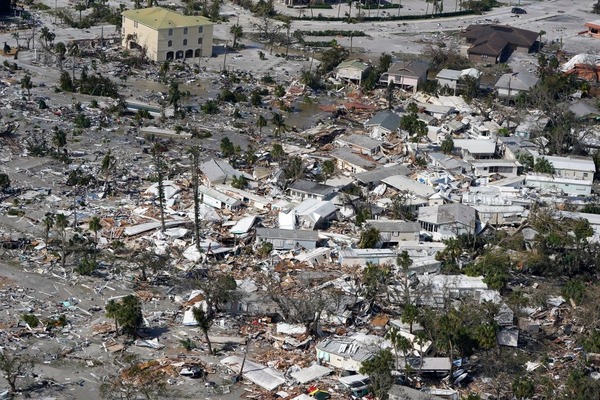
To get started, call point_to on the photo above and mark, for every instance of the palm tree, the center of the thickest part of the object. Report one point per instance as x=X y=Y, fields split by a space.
x=95 y=226
x=174 y=96
x=112 y=311
x=61 y=222
x=60 y=50
x=159 y=164
x=80 y=7
x=27 y=85
x=237 y=32
x=279 y=122
x=194 y=153
x=107 y=166
x=542 y=32
x=261 y=122
x=48 y=225
x=47 y=36
x=204 y=321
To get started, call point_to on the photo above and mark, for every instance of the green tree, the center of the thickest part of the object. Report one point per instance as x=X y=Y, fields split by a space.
x=379 y=369
x=14 y=366
x=277 y=151
x=542 y=165
x=4 y=181
x=129 y=315
x=374 y=282
x=327 y=169
x=447 y=145
x=174 y=97
x=227 y=147
x=95 y=226
x=239 y=182
x=80 y=7
x=494 y=267
x=27 y=85
x=369 y=238
x=523 y=388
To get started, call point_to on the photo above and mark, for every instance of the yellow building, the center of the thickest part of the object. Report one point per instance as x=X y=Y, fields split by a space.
x=167 y=35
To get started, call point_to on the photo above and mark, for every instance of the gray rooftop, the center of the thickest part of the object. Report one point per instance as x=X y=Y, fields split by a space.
x=386 y=119
x=450 y=74
x=377 y=175
x=311 y=187
x=517 y=81
x=404 y=183
x=219 y=170
x=413 y=68
x=393 y=225
x=350 y=157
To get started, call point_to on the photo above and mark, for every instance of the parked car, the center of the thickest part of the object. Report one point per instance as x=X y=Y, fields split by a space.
x=518 y=10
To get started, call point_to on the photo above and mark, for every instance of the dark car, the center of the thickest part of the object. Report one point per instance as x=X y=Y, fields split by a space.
x=518 y=10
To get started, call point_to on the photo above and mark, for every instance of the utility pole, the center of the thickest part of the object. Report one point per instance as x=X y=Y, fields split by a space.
x=55 y=10
x=225 y=58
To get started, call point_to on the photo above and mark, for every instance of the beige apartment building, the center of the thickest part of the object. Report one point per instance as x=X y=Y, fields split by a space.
x=167 y=35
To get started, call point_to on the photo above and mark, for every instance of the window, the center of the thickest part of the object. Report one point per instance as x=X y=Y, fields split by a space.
x=199 y=29
x=185 y=42
x=199 y=40
x=170 y=32
x=585 y=174
x=135 y=24
x=185 y=31
x=169 y=43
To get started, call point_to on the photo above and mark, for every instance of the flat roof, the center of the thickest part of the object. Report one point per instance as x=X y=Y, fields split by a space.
x=161 y=18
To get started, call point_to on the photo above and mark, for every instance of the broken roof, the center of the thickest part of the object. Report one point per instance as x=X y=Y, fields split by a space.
x=476 y=146
x=361 y=141
x=386 y=119
x=350 y=157
x=286 y=234
x=447 y=214
x=393 y=225
x=219 y=170
x=404 y=183
x=161 y=18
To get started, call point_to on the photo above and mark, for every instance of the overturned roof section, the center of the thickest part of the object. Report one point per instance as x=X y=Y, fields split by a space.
x=448 y=214
x=263 y=376
x=311 y=187
x=161 y=18
x=286 y=234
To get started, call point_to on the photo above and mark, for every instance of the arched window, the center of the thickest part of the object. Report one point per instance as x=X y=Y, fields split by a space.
x=185 y=31
x=170 y=32
x=199 y=40
x=169 y=43
x=185 y=42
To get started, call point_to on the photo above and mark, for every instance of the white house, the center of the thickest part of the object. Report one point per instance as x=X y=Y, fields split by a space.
x=511 y=85
x=352 y=70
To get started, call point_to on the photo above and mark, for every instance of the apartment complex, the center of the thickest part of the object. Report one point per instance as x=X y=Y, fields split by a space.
x=167 y=35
